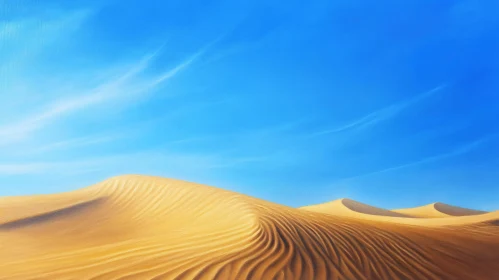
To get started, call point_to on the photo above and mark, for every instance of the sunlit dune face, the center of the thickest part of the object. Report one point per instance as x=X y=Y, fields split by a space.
x=138 y=227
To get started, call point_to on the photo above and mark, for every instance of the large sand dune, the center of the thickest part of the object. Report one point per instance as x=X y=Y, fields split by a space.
x=138 y=227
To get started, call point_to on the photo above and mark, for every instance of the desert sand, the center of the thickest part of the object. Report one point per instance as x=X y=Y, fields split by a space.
x=140 y=227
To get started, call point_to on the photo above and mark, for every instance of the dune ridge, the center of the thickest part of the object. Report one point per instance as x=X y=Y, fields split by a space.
x=141 y=227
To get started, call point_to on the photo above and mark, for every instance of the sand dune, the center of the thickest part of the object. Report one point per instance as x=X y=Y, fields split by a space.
x=438 y=210
x=348 y=207
x=138 y=227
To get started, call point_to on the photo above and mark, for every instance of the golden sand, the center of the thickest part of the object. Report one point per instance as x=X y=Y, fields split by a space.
x=139 y=227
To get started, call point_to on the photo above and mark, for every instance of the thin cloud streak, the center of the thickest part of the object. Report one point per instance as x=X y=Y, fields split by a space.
x=381 y=115
x=456 y=152
x=183 y=65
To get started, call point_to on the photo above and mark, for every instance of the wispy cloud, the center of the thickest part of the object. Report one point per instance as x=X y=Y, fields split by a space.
x=380 y=115
x=119 y=87
x=456 y=152
x=183 y=65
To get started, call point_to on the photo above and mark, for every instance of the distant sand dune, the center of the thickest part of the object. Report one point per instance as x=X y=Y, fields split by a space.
x=139 y=227
x=411 y=216
x=438 y=210
x=348 y=207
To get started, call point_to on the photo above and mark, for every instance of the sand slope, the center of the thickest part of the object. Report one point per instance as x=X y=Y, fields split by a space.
x=438 y=210
x=138 y=227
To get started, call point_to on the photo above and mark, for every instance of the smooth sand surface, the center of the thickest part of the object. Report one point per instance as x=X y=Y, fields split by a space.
x=140 y=227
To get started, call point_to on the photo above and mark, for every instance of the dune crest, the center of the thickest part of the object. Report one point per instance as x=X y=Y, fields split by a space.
x=141 y=227
x=438 y=210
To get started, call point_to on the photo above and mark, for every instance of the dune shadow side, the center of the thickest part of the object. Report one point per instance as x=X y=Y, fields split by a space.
x=370 y=210
x=52 y=215
x=456 y=211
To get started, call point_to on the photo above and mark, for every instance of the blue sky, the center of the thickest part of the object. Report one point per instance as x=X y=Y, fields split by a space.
x=297 y=102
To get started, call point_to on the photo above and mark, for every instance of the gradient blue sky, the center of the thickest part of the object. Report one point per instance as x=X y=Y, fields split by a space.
x=392 y=103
